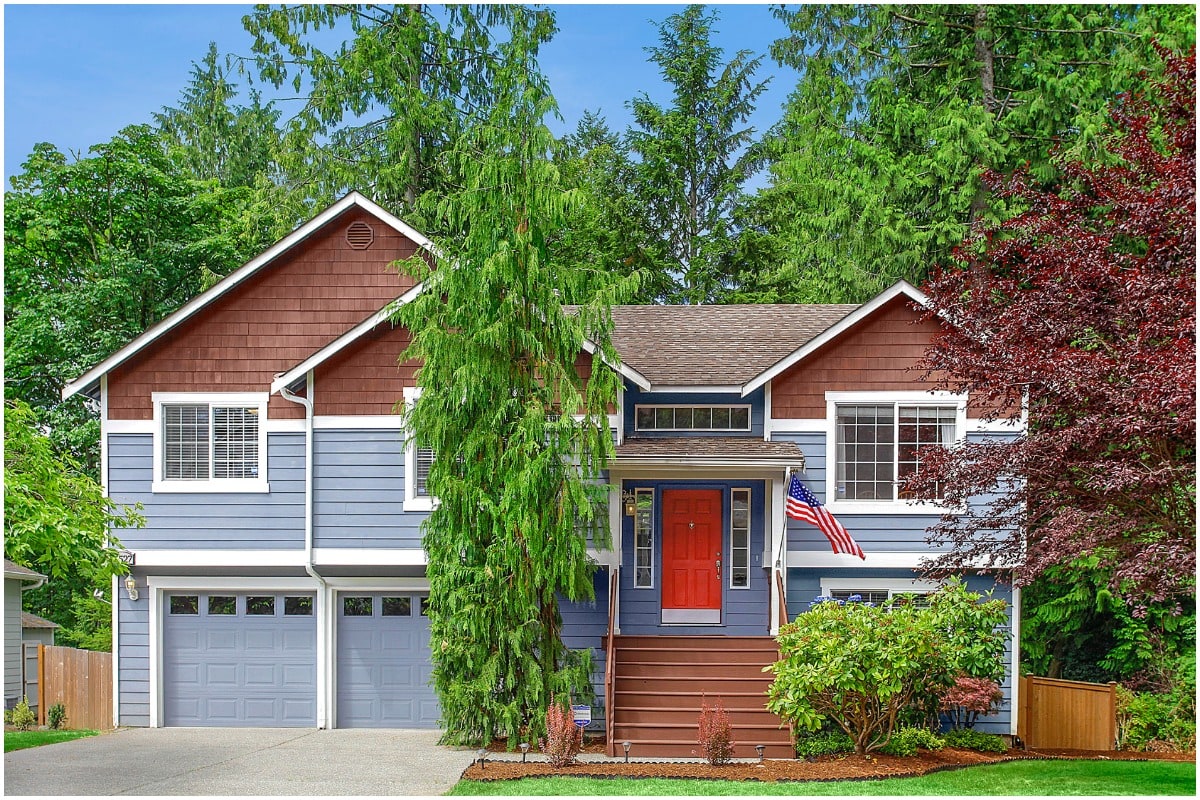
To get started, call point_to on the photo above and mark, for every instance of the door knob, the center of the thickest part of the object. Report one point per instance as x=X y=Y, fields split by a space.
x=718 y=568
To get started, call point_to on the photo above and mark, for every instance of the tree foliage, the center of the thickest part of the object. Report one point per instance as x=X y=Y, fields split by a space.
x=875 y=168
x=860 y=666
x=694 y=157
x=382 y=106
x=519 y=439
x=56 y=518
x=1086 y=304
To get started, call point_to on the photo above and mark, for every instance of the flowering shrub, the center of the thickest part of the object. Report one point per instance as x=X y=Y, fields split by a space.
x=969 y=699
x=564 y=739
x=716 y=734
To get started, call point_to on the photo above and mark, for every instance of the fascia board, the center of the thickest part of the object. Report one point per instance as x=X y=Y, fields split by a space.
x=234 y=279
x=837 y=329
x=623 y=369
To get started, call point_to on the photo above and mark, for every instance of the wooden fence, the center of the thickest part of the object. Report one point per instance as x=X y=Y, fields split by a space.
x=1067 y=715
x=79 y=679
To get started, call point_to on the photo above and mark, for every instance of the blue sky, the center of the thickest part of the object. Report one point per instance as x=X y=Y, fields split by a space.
x=74 y=75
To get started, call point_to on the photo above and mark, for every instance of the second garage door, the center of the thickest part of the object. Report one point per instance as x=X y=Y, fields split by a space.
x=383 y=662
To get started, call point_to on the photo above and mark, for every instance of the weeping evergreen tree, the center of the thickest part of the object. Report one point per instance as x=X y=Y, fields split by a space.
x=519 y=439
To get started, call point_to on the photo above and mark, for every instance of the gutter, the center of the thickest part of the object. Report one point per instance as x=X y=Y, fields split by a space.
x=287 y=394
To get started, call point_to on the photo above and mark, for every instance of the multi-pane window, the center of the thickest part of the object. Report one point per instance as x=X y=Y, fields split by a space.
x=417 y=462
x=692 y=418
x=879 y=445
x=739 y=539
x=423 y=458
x=209 y=441
x=643 y=539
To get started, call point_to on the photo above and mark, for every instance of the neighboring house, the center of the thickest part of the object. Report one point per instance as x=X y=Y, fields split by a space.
x=17 y=579
x=280 y=579
x=37 y=630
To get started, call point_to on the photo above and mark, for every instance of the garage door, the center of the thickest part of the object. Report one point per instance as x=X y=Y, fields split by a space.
x=383 y=662
x=239 y=659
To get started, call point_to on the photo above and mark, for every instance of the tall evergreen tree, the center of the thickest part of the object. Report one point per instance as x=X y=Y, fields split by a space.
x=519 y=439
x=875 y=167
x=693 y=156
x=381 y=106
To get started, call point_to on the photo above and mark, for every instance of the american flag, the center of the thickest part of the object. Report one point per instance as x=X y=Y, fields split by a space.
x=803 y=505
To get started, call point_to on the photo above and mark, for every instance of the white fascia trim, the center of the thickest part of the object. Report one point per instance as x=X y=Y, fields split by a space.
x=794 y=426
x=687 y=462
x=604 y=558
x=219 y=558
x=241 y=583
x=374 y=584
x=235 y=278
x=806 y=559
x=691 y=470
x=713 y=389
x=623 y=369
x=145 y=426
x=975 y=425
x=129 y=426
x=285 y=426
x=837 y=329
x=364 y=422
x=372 y=557
x=345 y=340
x=878 y=584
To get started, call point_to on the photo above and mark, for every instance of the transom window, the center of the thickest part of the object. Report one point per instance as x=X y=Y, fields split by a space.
x=215 y=443
x=692 y=418
x=879 y=445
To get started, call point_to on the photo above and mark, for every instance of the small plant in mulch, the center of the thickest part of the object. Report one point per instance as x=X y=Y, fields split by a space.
x=564 y=739
x=22 y=716
x=56 y=716
x=716 y=734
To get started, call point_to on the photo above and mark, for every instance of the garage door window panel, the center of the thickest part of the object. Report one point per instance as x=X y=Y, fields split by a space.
x=260 y=606
x=185 y=604
x=221 y=605
x=297 y=606
x=397 y=607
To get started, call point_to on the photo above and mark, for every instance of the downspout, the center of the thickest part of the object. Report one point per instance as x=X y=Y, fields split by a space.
x=309 y=567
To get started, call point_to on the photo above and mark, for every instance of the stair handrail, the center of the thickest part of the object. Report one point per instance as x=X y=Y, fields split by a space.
x=781 y=571
x=609 y=660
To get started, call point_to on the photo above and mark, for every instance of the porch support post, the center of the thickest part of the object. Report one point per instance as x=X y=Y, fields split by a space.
x=775 y=513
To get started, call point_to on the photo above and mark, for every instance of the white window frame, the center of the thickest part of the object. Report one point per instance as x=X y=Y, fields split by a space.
x=733 y=492
x=161 y=485
x=733 y=407
x=638 y=494
x=412 y=501
x=896 y=505
x=893 y=586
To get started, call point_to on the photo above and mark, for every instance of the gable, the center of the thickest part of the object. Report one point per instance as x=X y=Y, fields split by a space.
x=874 y=355
x=366 y=378
x=239 y=339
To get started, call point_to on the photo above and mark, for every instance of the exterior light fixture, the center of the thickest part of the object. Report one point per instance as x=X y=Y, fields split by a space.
x=482 y=757
x=761 y=748
x=626 y=745
x=629 y=501
x=131 y=587
x=524 y=751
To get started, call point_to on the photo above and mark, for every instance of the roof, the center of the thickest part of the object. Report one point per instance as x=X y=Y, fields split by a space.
x=89 y=381
x=715 y=345
x=13 y=570
x=725 y=449
x=34 y=621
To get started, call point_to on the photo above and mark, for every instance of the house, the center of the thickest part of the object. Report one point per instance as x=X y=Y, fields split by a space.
x=17 y=579
x=280 y=580
x=37 y=630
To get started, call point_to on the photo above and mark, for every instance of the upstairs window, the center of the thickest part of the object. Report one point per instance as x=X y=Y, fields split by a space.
x=210 y=444
x=692 y=418
x=417 y=462
x=879 y=445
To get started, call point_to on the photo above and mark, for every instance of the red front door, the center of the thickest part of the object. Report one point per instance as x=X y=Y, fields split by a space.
x=691 y=524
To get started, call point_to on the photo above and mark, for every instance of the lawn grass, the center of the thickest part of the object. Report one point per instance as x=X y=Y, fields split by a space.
x=20 y=740
x=1009 y=778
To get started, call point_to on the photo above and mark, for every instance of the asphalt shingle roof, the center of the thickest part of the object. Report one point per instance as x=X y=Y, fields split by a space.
x=13 y=570
x=715 y=345
x=733 y=448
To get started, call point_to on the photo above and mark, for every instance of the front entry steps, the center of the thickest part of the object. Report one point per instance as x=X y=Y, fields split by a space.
x=661 y=681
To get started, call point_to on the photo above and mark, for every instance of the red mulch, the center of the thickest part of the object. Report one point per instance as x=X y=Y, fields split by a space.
x=844 y=767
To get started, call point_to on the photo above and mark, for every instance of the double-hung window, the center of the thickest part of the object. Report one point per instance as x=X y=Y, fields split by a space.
x=210 y=443
x=417 y=461
x=878 y=445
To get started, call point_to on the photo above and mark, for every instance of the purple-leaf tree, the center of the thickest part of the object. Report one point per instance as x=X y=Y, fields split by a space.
x=1080 y=313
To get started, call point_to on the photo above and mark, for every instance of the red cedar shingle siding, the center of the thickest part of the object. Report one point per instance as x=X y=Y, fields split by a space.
x=366 y=378
x=270 y=323
x=874 y=356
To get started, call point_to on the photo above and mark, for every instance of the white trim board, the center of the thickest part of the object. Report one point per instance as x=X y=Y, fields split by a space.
x=353 y=199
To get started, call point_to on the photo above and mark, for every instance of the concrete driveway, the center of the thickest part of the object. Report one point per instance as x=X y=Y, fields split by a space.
x=238 y=761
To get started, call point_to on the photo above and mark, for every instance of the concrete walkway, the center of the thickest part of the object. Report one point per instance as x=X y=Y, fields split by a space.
x=233 y=761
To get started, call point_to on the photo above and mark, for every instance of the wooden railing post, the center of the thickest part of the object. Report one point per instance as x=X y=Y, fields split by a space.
x=609 y=661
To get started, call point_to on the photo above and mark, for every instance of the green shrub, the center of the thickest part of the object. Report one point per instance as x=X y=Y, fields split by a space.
x=56 y=716
x=969 y=739
x=1145 y=719
x=906 y=742
x=22 y=717
x=810 y=744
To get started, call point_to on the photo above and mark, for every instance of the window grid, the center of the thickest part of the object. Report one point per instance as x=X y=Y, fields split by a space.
x=692 y=418
x=879 y=445
x=186 y=442
x=883 y=596
x=424 y=460
x=739 y=539
x=643 y=539
x=235 y=442
x=203 y=441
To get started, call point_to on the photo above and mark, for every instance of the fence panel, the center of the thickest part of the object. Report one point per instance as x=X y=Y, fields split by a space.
x=82 y=681
x=1067 y=715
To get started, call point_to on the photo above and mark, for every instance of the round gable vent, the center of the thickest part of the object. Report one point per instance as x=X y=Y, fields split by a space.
x=359 y=235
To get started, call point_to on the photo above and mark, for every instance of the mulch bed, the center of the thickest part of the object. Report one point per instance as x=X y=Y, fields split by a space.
x=825 y=768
